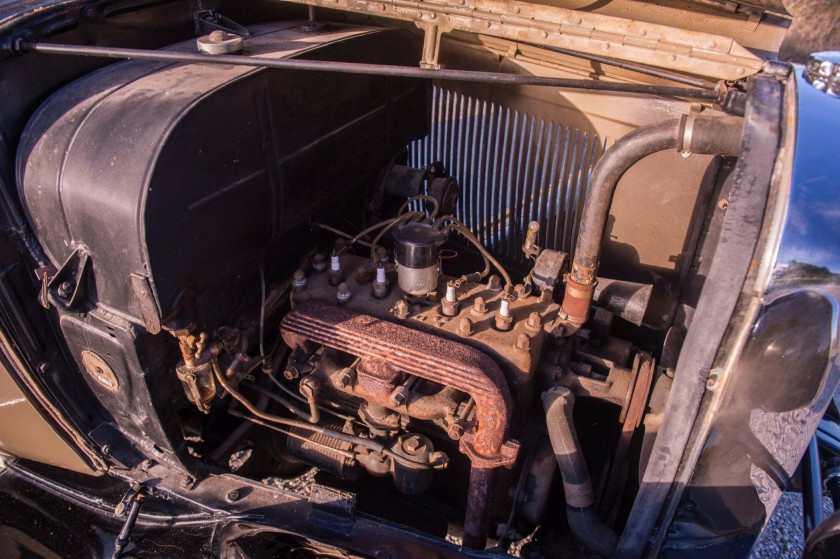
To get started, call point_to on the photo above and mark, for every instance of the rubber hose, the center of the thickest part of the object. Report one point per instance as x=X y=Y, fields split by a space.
x=706 y=135
x=584 y=523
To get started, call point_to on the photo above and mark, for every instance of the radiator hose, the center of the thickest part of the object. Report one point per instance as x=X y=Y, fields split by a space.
x=584 y=523
x=690 y=133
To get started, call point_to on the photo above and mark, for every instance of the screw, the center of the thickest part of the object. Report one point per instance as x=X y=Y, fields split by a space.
x=523 y=342
x=309 y=387
x=534 y=320
x=723 y=203
x=465 y=327
x=479 y=306
x=494 y=283
x=233 y=496
x=65 y=289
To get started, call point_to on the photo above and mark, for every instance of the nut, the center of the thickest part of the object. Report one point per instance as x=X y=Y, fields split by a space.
x=65 y=289
x=534 y=320
x=494 y=283
x=455 y=431
x=299 y=279
x=449 y=308
x=363 y=274
x=319 y=263
x=503 y=323
x=402 y=309
x=399 y=396
x=345 y=377
x=479 y=306
x=343 y=294
x=523 y=342
x=465 y=327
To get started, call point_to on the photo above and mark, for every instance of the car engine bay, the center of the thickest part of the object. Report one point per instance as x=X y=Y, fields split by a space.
x=396 y=282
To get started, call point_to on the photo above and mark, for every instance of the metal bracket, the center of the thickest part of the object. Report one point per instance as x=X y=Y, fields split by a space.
x=69 y=285
x=148 y=308
x=207 y=21
x=431 y=45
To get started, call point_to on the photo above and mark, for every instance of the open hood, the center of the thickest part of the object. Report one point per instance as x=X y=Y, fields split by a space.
x=721 y=39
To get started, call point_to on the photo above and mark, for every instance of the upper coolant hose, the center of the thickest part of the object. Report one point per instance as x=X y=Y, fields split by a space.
x=558 y=403
x=694 y=134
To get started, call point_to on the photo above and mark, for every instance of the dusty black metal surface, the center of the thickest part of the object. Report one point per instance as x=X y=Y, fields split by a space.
x=189 y=188
x=254 y=522
x=714 y=311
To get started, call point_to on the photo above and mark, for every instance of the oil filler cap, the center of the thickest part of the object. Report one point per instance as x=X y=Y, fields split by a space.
x=823 y=72
x=220 y=42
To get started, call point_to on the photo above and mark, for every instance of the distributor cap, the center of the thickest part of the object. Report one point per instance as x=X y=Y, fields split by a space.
x=417 y=244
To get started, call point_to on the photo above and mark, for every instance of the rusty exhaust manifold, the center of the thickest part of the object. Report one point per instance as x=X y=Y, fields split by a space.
x=435 y=359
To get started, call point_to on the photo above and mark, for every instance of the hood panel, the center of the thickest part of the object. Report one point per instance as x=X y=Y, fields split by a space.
x=689 y=37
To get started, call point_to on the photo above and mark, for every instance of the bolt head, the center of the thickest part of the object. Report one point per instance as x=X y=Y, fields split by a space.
x=465 y=327
x=65 y=289
x=399 y=396
x=494 y=283
x=344 y=378
x=233 y=496
x=534 y=320
x=723 y=203
x=363 y=273
x=402 y=309
x=523 y=342
x=413 y=444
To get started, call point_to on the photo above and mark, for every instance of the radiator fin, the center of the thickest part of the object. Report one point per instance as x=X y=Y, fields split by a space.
x=513 y=168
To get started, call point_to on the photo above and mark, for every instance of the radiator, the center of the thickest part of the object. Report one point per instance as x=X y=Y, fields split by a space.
x=513 y=168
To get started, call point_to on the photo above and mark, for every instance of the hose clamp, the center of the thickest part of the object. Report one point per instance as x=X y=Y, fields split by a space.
x=687 y=131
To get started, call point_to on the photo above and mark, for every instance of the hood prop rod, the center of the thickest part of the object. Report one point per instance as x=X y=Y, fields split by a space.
x=23 y=46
